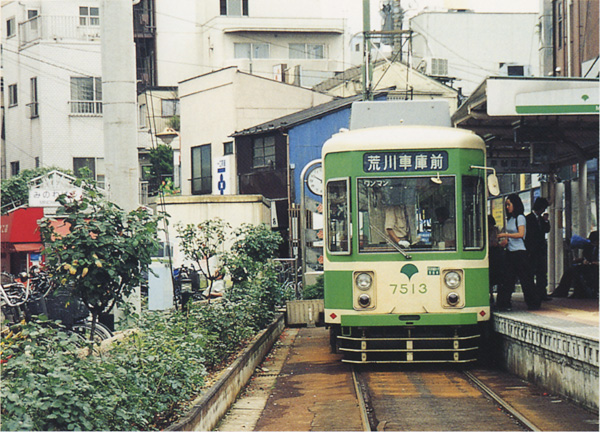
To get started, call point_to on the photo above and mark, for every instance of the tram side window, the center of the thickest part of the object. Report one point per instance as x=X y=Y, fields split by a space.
x=473 y=192
x=338 y=217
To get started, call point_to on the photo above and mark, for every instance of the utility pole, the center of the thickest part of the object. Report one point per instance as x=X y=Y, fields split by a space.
x=367 y=66
x=119 y=103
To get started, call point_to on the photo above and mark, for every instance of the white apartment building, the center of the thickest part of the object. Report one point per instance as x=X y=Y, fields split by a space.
x=307 y=41
x=52 y=65
x=53 y=86
x=470 y=46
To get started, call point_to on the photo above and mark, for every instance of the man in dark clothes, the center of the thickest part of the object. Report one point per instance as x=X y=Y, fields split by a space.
x=535 y=242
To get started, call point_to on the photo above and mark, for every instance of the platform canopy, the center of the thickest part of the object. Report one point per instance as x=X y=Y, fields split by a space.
x=534 y=125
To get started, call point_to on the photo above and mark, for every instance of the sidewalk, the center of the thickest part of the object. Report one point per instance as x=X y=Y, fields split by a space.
x=576 y=316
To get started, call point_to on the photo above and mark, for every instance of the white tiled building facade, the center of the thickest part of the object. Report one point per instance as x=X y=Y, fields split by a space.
x=52 y=63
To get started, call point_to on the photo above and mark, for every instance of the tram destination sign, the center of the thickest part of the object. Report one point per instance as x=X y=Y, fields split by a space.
x=405 y=161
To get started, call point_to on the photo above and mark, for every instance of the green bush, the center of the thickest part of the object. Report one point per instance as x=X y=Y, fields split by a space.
x=147 y=379
x=315 y=291
x=142 y=383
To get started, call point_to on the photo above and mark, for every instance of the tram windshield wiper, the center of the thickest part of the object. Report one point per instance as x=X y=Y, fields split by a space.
x=390 y=242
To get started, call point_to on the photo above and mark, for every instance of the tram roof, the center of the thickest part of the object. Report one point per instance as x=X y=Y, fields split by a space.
x=544 y=123
x=402 y=137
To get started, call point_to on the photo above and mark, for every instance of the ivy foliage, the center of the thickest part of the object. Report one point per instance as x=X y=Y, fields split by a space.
x=15 y=190
x=106 y=252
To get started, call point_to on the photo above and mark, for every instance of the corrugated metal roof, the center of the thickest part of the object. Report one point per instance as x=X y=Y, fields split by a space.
x=300 y=116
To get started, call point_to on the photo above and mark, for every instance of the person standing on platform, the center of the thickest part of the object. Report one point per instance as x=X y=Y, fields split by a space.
x=497 y=265
x=535 y=241
x=517 y=259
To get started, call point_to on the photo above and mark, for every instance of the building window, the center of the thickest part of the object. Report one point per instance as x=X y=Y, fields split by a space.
x=15 y=168
x=13 y=98
x=263 y=152
x=251 y=50
x=518 y=70
x=37 y=161
x=234 y=7
x=89 y=16
x=86 y=95
x=169 y=107
x=33 y=105
x=32 y=23
x=94 y=165
x=142 y=115
x=201 y=170
x=307 y=51
x=228 y=148
x=11 y=27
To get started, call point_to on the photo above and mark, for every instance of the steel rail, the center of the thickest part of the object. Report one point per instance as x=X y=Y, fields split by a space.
x=363 y=403
x=505 y=405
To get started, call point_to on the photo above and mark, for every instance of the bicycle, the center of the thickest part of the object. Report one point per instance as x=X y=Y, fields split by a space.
x=36 y=295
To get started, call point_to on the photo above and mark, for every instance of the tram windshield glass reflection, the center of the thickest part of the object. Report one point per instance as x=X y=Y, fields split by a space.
x=421 y=213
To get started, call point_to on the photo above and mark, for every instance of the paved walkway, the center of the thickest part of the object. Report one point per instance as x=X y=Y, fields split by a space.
x=576 y=316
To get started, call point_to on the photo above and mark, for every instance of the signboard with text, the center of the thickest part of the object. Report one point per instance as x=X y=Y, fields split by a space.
x=405 y=161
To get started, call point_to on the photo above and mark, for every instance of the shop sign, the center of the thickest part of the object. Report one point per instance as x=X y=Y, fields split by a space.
x=50 y=187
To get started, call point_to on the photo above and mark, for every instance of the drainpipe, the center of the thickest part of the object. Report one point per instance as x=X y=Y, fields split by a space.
x=568 y=18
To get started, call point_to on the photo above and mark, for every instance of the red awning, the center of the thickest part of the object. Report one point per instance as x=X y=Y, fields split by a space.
x=21 y=225
x=27 y=247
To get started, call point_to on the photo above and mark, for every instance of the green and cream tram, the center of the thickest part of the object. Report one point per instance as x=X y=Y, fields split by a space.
x=405 y=260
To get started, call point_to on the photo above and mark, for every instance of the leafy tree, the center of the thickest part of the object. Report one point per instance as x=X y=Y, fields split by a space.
x=203 y=242
x=174 y=122
x=106 y=252
x=255 y=245
x=161 y=160
x=16 y=190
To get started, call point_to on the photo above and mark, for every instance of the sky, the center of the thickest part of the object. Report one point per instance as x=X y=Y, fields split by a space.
x=412 y=7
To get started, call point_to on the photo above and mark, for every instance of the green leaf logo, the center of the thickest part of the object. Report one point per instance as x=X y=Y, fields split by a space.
x=585 y=97
x=409 y=270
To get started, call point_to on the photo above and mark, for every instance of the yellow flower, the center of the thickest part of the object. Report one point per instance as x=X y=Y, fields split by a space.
x=84 y=272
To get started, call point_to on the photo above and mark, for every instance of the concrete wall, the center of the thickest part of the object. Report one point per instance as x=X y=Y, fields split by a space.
x=233 y=209
x=558 y=360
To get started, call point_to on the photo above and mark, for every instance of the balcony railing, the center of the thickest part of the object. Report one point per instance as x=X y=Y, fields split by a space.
x=85 y=108
x=56 y=28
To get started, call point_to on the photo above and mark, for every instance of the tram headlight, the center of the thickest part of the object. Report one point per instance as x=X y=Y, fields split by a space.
x=452 y=279
x=453 y=298
x=364 y=300
x=364 y=281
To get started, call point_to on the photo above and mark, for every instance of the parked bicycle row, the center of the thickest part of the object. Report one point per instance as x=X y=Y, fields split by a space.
x=34 y=294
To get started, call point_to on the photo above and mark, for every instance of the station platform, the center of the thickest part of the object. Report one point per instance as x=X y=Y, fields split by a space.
x=555 y=347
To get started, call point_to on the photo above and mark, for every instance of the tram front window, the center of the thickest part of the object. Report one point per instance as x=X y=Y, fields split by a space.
x=416 y=213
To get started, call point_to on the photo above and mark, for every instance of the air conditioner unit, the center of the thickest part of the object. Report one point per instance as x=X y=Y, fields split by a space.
x=437 y=66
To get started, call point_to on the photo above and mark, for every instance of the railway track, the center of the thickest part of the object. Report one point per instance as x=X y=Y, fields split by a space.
x=432 y=399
